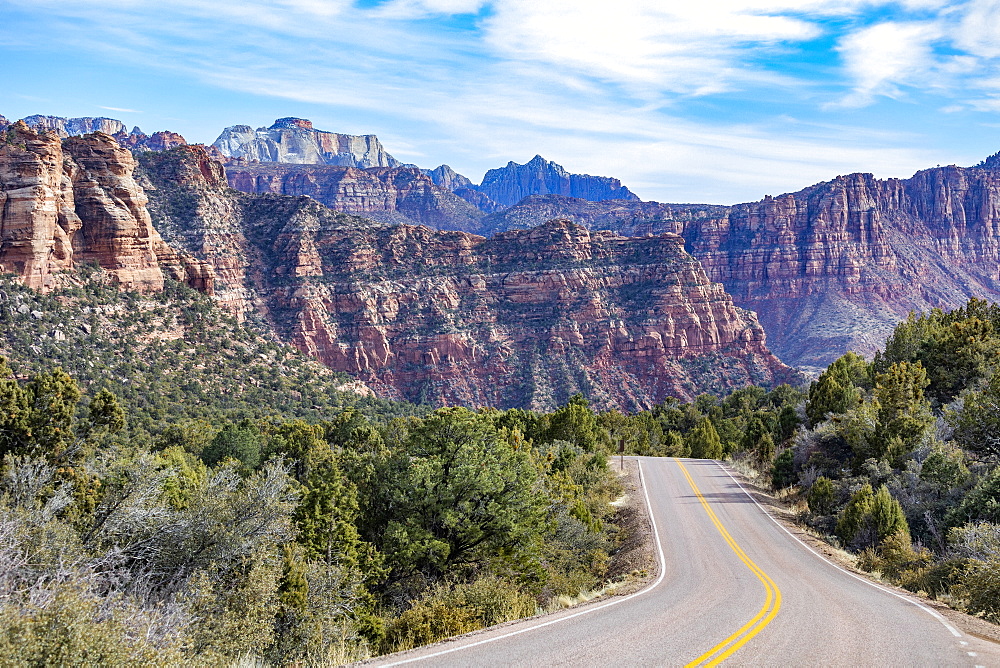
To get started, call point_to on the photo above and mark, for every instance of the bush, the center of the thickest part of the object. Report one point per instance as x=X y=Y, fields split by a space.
x=870 y=518
x=821 y=496
x=452 y=610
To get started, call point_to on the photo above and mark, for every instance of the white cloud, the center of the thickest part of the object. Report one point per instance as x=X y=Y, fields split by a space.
x=880 y=58
x=978 y=31
x=122 y=110
x=677 y=47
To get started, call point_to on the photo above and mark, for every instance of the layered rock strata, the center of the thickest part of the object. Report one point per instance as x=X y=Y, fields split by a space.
x=65 y=202
x=832 y=267
x=389 y=195
x=524 y=319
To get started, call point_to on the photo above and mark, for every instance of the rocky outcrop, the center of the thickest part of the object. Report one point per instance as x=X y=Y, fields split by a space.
x=294 y=140
x=509 y=185
x=446 y=177
x=68 y=201
x=136 y=141
x=832 y=267
x=390 y=195
x=525 y=318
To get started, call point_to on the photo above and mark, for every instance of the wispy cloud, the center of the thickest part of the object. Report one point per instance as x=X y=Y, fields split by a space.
x=718 y=99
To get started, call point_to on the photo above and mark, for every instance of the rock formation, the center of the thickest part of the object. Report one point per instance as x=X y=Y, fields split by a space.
x=71 y=127
x=525 y=318
x=832 y=267
x=135 y=140
x=294 y=140
x=74 y=200
x=446 y=177
x=390 y=195
x=509 y=185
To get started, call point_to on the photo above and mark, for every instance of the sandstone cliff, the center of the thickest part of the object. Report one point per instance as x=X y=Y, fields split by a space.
x=294 y=140
x=522 y=319
x=509 y=185
x=75 y=200
x=390 y=195
x=832 y=267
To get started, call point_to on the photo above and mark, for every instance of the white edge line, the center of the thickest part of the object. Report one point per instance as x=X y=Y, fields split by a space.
x=663 y=570
x=933 y=613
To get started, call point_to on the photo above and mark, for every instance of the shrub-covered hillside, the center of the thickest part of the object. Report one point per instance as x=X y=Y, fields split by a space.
x=899 y=460
x=169 y=357
x=176 y=489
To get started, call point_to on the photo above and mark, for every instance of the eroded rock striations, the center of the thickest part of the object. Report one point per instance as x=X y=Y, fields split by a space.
x=74 y=200
x=386 y=194
x=525 y=318
x=294 y=140
x=832 y=267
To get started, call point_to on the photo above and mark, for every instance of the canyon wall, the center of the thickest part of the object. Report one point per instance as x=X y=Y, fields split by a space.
x=525 y=318
x=832 y=267
x=389 y=195
x=63 y=202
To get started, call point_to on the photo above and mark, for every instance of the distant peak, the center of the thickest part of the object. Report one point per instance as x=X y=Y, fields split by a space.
x=292 y=122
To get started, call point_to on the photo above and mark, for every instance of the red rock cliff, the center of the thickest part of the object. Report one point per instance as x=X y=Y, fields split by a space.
x=832 y=267
x=66 y=201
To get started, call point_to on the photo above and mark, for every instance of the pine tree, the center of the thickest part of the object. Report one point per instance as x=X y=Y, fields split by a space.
x=704 y=441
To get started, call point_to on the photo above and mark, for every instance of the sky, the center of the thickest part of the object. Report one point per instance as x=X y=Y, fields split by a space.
x=715 y=101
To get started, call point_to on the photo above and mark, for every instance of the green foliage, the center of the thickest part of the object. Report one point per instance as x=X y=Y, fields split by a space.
x=241 y=442
x=703 y=441
x=870 y=517
x=74 y=628
x=821 y=496
x=977 y=426
x=460 y=494
x=783 y=470
x=979 y=580
x=838 y=389
x=450 y=610
x=981 y=503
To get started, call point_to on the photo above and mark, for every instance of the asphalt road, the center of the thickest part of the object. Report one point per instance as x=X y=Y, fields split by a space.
x=735 y=588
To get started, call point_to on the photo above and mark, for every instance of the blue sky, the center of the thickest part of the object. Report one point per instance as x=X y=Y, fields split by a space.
x=716 y=101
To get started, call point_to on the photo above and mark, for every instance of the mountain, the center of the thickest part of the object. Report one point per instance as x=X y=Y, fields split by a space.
x=294 y=140
x=72 y=127
x=134 y=140
x=509 y=185
x=834 y=266
x=525 y=318
x=74 y=201
x=387 y=194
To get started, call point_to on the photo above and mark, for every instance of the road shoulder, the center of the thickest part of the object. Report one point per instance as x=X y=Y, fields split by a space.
x=973 y=626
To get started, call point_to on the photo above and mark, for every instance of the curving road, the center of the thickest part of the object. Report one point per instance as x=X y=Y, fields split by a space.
x=735 y=588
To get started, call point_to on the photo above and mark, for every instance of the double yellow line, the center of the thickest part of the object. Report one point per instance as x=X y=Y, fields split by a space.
x=772 y=604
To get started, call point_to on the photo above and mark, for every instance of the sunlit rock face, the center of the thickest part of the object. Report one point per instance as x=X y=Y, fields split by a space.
x=75 y=200
x=294 y=140
x=832 y=267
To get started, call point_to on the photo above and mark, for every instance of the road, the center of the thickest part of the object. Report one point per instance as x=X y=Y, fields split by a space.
x=735 y=588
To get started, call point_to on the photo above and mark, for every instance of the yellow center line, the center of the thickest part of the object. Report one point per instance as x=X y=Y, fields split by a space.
x=772 y=603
